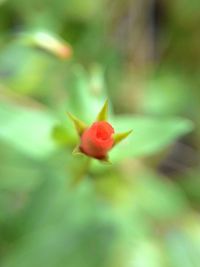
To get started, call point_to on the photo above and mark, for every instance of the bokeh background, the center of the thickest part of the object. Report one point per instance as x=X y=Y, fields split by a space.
x=59 y=56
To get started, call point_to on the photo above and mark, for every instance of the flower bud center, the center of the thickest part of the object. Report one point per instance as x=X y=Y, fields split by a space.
x=102 y=133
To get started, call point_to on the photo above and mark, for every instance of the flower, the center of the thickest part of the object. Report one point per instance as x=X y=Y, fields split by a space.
x=98 y=139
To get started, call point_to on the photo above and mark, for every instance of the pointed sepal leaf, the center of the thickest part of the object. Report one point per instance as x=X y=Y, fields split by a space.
x=103 y=114
x=79 y=125
x=77 y=151
x=118 y=137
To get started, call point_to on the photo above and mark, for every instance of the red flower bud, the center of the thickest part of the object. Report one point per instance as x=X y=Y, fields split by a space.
x=97 y=140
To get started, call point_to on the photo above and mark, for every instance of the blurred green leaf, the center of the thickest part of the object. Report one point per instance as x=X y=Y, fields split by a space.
x=159 y=197
x=151 y=135
x=148 y=253
x=167 y=93
x=28 y=130
x=181 y=251
x=23 y=69
x=18 y=172
x=63 y=135
x=81 y=101
x=63 y=227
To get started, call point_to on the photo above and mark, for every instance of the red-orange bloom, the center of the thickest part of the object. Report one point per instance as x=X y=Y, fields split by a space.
x=97 y=140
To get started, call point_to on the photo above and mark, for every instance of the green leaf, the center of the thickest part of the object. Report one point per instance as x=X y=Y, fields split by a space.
x=63 y=136
x=151 y=135
x=15 y=168
x=28 y=130
x=26 y=73
x=160 y=198
x=82 y=101
x=172 y=99
x=59 y=225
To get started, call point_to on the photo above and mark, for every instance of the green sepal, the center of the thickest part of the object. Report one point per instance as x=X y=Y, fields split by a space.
x=118 y=137
x=77 y=151
x=103 y=114
x=79 y=125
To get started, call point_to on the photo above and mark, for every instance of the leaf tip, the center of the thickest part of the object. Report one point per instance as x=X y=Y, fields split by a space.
x=103 y=114
x=118 y=137
x=79 y=125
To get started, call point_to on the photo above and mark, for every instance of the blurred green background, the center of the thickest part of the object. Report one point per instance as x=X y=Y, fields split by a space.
x=59 y=56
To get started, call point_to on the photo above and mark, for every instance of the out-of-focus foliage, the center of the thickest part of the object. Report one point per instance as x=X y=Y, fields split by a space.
x=57 y=210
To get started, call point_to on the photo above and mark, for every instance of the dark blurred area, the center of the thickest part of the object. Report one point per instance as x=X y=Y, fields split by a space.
x=60 y=56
